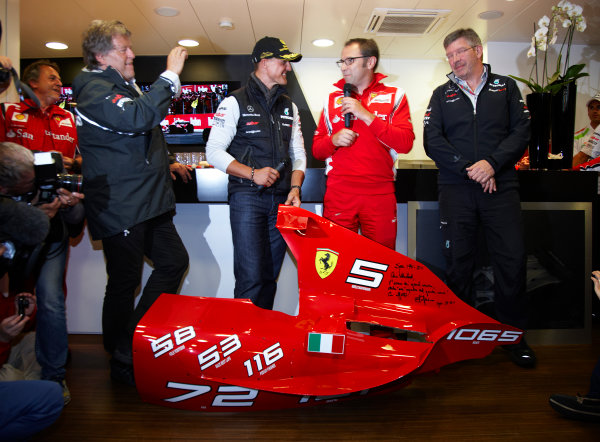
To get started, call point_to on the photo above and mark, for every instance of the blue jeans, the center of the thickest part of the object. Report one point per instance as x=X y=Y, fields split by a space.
x=258 y=247
x=27 y=407
x=52 y=345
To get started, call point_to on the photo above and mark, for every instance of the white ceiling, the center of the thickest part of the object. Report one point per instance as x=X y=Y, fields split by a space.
x=298 y=22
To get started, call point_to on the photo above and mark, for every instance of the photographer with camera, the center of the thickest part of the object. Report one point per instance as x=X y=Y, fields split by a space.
x=18 y=179
x=17 y=338
x=27 y=405
x=22 y=230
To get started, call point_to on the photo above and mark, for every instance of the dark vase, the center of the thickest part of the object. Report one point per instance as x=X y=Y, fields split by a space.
x=563 y=126
x=540 y=109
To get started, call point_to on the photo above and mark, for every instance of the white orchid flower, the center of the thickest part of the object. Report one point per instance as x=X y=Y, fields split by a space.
x=576 y=11
x=541 y=33
x=531 y=52
x=565 y=5
x=571 y=17
x=542 y=44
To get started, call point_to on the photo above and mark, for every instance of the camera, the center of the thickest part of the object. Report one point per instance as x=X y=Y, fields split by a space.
x=5 y=75
x=50 y=176
x=19 y=259
x=22 y=304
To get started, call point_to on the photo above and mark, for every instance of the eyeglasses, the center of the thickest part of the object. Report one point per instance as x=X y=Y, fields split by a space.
x=458 y=53
x=348 y=61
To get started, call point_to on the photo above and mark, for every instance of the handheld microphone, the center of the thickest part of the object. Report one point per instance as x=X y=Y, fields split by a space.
x=347 y=93
x=279 y=169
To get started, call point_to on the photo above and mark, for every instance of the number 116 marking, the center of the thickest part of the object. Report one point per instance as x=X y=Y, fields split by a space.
x=270 y=356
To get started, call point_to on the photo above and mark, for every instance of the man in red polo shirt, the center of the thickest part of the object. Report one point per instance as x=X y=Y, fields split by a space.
x=47 y=128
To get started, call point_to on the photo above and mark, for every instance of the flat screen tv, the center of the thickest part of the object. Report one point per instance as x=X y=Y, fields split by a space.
x=191 y=112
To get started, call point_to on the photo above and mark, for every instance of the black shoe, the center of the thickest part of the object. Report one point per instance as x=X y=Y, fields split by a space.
x=121 y=372
x=521 y=354
x=65 y=391
x=576 y=407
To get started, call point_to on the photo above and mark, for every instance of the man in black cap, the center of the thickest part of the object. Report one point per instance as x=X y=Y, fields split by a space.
x=256 y=139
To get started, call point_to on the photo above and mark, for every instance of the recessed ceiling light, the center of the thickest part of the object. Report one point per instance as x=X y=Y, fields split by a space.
x=226 y=23
x=490 y=15
x=322 y=42
x=188 y=43
x=56 y=45
x=166 y=11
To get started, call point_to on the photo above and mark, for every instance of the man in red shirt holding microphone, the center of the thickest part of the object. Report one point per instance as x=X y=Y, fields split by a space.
x=363 y=127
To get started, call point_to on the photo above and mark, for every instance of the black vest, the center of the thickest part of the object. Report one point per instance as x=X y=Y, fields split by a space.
x=263 y=135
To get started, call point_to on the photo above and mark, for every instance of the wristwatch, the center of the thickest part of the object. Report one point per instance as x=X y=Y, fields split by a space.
x=299 y=190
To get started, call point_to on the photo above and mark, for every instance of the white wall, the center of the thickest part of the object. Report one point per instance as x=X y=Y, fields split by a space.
x=420 y=77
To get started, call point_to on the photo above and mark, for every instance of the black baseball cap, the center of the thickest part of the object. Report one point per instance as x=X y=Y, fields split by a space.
x=272 y=47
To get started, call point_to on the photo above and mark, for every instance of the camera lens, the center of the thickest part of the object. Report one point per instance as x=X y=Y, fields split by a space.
x=4 y=75
x=71 y=182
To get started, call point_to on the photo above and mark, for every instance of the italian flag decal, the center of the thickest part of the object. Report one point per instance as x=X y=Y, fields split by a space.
x=326 y=343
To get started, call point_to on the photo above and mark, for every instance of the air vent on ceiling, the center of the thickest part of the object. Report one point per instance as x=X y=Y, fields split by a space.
x=413 y=22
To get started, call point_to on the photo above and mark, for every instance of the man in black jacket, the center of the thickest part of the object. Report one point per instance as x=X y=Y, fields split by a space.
x=256 y=139
x=476 y=128
x=126 y=169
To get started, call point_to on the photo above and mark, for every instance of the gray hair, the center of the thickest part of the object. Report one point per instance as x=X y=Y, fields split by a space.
x=468 y=34
x=97 y=40
x=15 y=162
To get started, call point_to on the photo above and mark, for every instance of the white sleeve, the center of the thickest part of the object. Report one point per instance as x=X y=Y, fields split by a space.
x=173 y=78
x=297 y=151
x=592 y=145
x=222 y=132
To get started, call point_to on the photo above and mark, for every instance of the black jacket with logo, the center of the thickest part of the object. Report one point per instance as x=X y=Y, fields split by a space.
x=455 y=135
x=125 y=159
x=263 y=135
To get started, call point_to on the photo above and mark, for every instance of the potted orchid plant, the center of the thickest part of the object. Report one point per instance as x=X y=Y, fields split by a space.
x=570 y=17
x=553 y=97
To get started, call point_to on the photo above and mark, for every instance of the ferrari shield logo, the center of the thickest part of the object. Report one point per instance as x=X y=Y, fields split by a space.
x=325 y=261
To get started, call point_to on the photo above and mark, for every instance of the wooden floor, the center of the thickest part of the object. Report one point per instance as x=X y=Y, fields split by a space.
x=479 y=400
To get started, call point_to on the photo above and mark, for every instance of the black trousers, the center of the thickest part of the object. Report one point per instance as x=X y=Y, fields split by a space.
x=464 y=210
x=158 y=240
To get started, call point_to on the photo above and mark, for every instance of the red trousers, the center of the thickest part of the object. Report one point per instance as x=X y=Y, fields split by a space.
x=375 y=215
